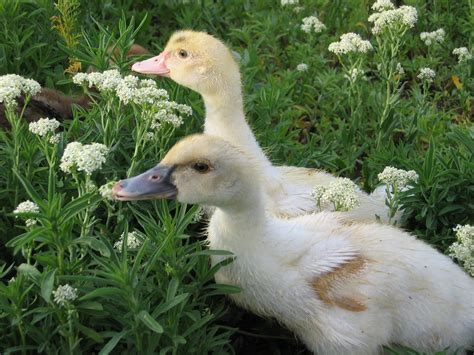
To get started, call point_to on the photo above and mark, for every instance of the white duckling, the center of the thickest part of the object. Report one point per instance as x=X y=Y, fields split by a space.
x=342 y=288
x=204 y=64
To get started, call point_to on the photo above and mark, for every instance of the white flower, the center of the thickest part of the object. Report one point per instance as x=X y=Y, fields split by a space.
x=298 y=9
x=382 y=5
x=397 y=178
x=109 y=80
x=289 y=2
x=133 y=241
x=64 y=294
x=302 y=67
x=80 y=79
x=399 y=70
x=312 y=24
x=87 y=158
x=430 y=38
x=350 y=42
x=198 y=215
x=463 y=249
x=131 y=89
x=44 y=126
x=394 y=19
x=426 y=74
x=13 y=86
x=55 y=139
x=355 y=74
x=27 y=207
x=463 y=54
x=341 y=193
x=106 y=190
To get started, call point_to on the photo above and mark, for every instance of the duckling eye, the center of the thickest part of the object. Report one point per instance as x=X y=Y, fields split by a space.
x=182 y=53
x=201 y=167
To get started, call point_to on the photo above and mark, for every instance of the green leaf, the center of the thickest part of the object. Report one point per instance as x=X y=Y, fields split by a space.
x=212 y=252
x=150 y=322
x=47 y=284
x=29 y=270
x=78 y=205
x=112 y=343
x=100 y=292
x=164 y=307
x=222 y=289
x=91 y=333
x=95 y=244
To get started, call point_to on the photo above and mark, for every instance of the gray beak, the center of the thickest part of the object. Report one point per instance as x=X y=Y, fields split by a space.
x=152 y=184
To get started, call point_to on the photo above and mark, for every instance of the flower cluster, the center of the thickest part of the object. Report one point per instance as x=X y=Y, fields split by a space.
x=382 y=5
x=463 y=249
x=312 y=24
x=106 y=190
x=45 y=126
x=289 y=2
x=27 y=207
x=387 y=17
x=430 y=38
x=64 y=294
x=427 y=74
x=399 y=69
x=133 y=241
x=341 y=193
x=355 y=74
x=132 y=90
x=87 y=157
x=398 y=178
x=350 y=43
x=302 y=67
x=463 y=54
x=13 y=86
x=199 y=215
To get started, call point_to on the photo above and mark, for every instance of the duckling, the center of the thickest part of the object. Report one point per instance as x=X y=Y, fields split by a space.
x=342 y=288
x=204 y=64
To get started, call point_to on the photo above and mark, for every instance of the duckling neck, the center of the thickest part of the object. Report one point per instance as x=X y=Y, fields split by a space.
x=246 y=211
x=225 y=118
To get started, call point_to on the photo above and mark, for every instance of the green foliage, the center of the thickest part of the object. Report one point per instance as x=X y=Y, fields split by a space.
x=160 y=297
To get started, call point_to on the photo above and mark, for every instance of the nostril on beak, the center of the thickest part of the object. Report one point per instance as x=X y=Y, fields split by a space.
x=155 y=177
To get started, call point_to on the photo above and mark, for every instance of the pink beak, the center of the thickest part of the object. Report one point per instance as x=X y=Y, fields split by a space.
x=155 y=65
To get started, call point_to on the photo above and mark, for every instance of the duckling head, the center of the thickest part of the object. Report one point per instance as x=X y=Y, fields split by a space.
x=200 y=169
x=196 y=60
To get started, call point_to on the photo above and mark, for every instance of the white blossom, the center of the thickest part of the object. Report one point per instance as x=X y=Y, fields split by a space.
x=13 y=86
x=382 y=5
x=430 y=38
x=463 y=54
x=302 y=67
x=399 y=69
x=106 y=190
x=289 y=2
x=87 y=158
x=133 y=241
x=355 y=74
x=198 y=216
x=397 y=178
x=44 y=126
x=298 y=9
x=341 y=193
x=27 y=207
x=80 y=79
x=64 y=294
x=463 y=249
x=393 y=19
x=426 y=74
x=350 y=43
x=55 y=139
x=312 y=24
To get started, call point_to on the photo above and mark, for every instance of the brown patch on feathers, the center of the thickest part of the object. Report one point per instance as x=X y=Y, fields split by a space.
x=324 y=285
